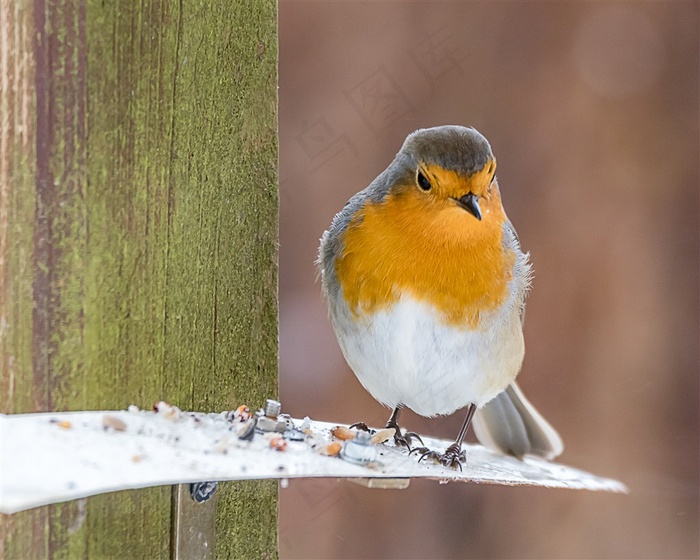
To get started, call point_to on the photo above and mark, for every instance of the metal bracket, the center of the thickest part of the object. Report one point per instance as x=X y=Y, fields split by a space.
x=194 y=525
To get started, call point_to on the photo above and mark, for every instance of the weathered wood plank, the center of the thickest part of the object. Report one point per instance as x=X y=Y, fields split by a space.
x=25 y=533
x=138 y=232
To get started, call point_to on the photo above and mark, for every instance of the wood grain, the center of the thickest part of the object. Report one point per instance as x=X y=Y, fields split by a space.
x=138 y=238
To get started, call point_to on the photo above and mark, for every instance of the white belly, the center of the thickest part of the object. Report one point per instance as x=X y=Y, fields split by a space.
x=406 y=355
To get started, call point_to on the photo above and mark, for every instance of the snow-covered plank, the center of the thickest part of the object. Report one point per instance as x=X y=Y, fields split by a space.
x=55 y=457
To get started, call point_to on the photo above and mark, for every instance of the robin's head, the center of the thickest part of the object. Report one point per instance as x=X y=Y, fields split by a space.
x=447 y=168
x=432 y=225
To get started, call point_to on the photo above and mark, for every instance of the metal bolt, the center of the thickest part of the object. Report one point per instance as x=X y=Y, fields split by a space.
x=202 y=491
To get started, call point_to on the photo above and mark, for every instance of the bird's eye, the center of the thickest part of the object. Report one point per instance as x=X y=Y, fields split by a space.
x=422 y=181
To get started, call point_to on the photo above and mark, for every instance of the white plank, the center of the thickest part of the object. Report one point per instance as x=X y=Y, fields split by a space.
x=55 y=457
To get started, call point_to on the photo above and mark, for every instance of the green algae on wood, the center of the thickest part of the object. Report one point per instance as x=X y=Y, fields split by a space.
x=139 y=221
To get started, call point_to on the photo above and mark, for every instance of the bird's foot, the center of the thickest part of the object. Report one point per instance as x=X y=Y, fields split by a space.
x=453 y=456
x=403 y=439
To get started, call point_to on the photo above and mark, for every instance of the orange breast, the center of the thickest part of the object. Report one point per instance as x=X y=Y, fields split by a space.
x=431 y=250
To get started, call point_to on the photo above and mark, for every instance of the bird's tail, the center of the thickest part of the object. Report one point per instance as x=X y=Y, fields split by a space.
x=511 y=425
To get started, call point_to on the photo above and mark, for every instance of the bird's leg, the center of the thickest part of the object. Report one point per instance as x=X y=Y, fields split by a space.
x=453 y=455
x=400 y=438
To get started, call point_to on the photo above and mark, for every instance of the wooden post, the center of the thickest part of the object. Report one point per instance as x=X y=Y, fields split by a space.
x=138 y=233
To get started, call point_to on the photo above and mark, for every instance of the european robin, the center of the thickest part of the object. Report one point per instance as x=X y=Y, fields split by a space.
x=426 y=284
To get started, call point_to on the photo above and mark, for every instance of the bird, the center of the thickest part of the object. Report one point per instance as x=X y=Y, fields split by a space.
x=425 y=282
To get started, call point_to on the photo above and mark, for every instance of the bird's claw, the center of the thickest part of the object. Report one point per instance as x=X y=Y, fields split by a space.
x=403 y=439
x=362 y=427
x=453 y=456
x=406 y=439
x=424 y=453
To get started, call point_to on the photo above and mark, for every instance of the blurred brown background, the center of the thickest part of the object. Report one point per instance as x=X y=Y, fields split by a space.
x=592 y=112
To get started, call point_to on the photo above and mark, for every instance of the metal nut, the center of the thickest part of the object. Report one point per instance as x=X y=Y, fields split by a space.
x=294 y=434
x=359 y=450
x=266 y=424
x=273 y=408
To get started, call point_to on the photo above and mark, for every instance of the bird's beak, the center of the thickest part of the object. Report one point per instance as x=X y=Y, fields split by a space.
x=470 y=203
